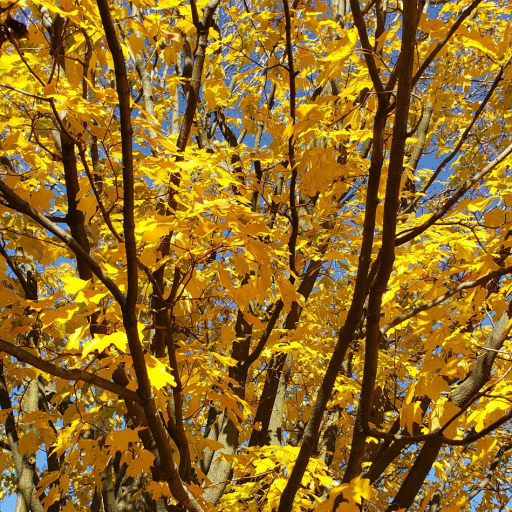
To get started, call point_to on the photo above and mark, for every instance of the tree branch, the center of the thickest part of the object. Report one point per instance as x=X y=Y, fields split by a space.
x=16 y=203
x=462 y=138
x=447 y=37
x=346 y=333
x=367 y=49
x=167 y=464
x=463 y=286
x=294 y=213
x=387 y=252
x=63 y=373
x=406 y=236
x=203 y=28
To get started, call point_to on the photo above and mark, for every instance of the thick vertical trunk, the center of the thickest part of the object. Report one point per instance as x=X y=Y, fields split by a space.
x=387 y=254
x=219 y=469
x=28 y=460
x=107 y=490
x=328 y=443
x=274 y=376
x=75 y=217
x=260 y=436
x=276 y=415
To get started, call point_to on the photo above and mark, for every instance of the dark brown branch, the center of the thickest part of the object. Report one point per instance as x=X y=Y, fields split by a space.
x=21 y=278
x=485 y=482
x=195 y=16
x=16 y=203
x=462 y=396
x=166 y=462
x=405 y=237
x=437 y=434
x=92 y=182
x=447 y=37
x=203 y=28
x=64 y=373
x=367 y=48
x=294 y=213
x=76 y=217
x=462 y=286
x=124 y=95
x=462 y=138
x=255 y=354
x=387 y=252
x=346 y=334
x=185 y=461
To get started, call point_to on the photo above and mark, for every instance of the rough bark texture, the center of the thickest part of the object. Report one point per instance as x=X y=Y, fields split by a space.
x=26 y=476
x=481 y=374
x=227 y=432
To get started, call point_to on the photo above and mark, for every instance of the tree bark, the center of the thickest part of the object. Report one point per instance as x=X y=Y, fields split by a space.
x=26 y=489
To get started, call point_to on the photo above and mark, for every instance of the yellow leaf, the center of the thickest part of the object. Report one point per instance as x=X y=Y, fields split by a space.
x=141 y=464
x=53 y=8
x=120 y=440
x=74 y=284
x=136 y=43
x=225 y=280
x=449 y=411
x=118 y=339
x=243 y=295
x=88 y=205
x=158 y=489
x=288 y=293
x=49 y=89
x=255 y=321
x=28 y=443
x=62 y=315
x=7 y=296
x=353 y=494
x=306 y=58
x=75 y=338
x=158 y=374
x=349 y=506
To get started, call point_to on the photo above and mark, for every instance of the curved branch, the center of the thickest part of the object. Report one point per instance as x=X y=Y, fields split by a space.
x=463 y=137
x=18 y=204
x=367 y=48
x=483 y=484
x=167 y=465
x=463 y=286
x=203 y=28
x=406 y=236
x=437 y=434
x=440 y=45
x=24 y=355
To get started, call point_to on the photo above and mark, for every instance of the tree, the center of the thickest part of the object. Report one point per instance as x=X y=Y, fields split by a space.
x=255 y=255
